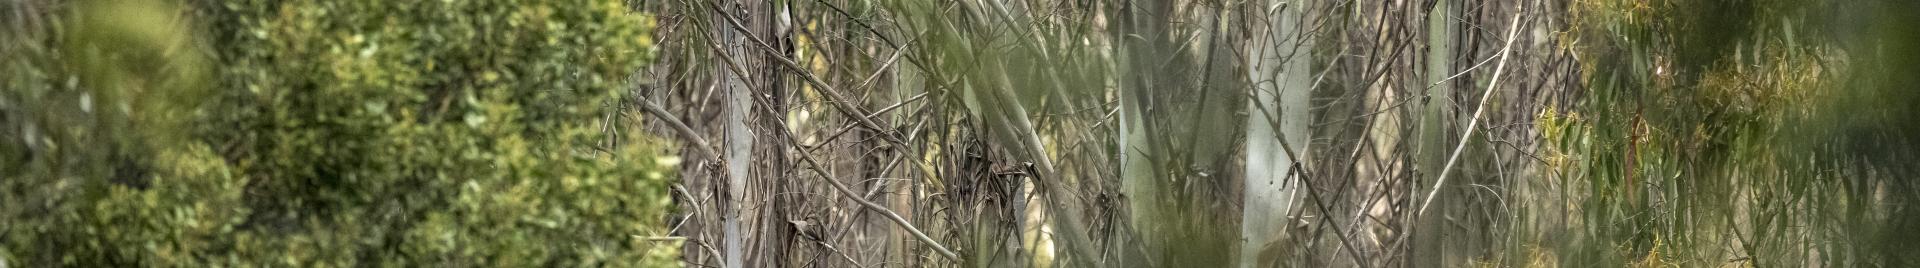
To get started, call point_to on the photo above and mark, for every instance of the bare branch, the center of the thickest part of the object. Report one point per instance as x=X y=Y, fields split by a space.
x=1475 y=121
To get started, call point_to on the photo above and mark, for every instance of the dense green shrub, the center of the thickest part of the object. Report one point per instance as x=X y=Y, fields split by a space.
x=327 y=133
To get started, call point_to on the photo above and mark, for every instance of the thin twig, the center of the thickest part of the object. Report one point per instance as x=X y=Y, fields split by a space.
x=1015 y=118
x=1475 y=120
x=882 y=69
x=833 y=96
x=850 y=194
x=680 y=127
x=1307 y=181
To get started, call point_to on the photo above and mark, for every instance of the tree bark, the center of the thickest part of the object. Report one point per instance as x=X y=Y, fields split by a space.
x=1277 y=123
x=739 y=139
x=1435 y=122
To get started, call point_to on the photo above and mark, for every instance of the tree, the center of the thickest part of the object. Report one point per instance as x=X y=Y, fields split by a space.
x=332 y=134
x=1277 y=127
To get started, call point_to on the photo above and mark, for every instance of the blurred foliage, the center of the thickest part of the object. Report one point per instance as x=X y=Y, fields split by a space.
x=1733 y=132
x=326 y=133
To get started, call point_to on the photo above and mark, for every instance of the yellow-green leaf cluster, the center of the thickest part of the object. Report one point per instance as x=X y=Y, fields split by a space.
x=328 y=133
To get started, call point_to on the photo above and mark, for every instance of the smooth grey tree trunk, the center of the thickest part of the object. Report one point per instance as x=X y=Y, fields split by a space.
x=1277 y=127
x=739 y=142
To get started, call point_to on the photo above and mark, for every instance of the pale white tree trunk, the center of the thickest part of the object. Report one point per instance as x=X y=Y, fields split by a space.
x=1137 y=175
x=1139 y=179
x=739 y=143
x=1277 y=126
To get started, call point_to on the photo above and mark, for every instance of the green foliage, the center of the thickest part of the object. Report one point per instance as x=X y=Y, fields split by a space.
x=1694 y=133
x=332 y=133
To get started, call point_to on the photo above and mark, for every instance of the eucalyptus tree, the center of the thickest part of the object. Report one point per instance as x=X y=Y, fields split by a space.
x=1278 y=124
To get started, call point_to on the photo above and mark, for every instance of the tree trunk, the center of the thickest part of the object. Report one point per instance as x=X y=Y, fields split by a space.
x=739 y=142
x=1434 y=122
x=1277 y=124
